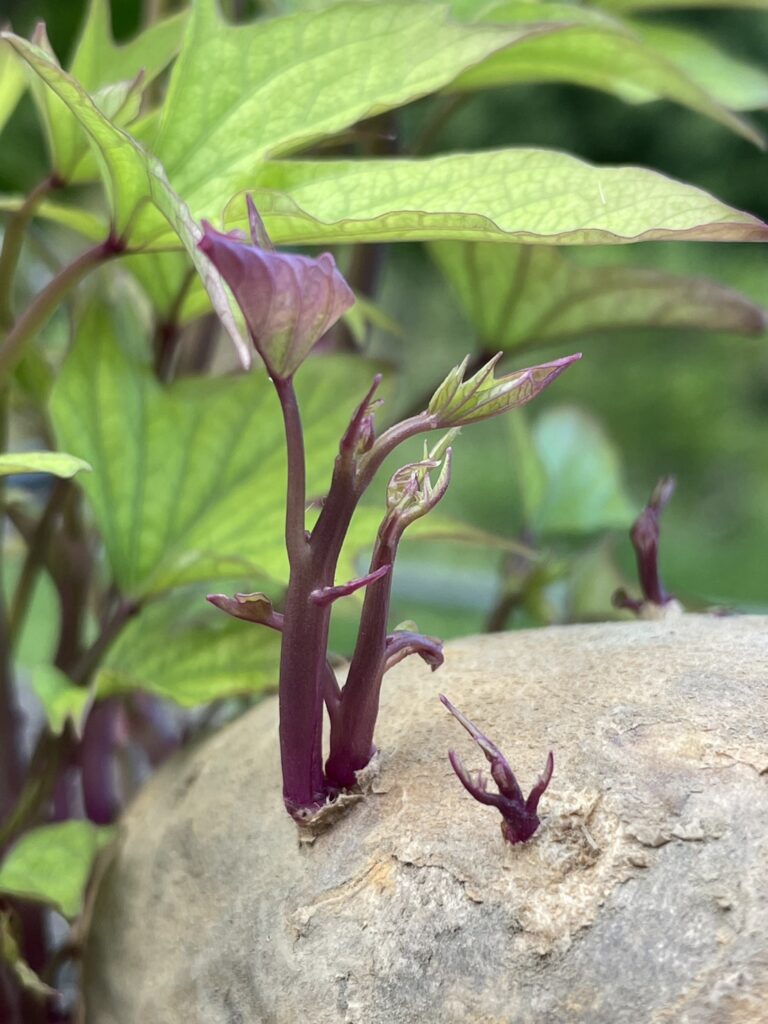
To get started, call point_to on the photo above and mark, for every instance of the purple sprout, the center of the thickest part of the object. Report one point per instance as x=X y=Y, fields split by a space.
x=645 y=540
x=520 y=817
x=289 y=302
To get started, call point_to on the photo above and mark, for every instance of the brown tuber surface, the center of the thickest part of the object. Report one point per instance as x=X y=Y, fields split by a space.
x=642 y=899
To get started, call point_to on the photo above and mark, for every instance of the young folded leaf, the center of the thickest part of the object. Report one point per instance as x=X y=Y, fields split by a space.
x=288 y=301
x=458 y=402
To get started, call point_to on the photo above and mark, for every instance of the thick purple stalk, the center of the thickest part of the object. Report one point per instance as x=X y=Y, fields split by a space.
x=304 y=683
x=353 y=726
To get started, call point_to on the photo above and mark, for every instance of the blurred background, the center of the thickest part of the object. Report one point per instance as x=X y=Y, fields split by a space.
x=641 y=404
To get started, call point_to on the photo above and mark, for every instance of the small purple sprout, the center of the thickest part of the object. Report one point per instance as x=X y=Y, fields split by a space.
x=645 y=540
x=520 y=817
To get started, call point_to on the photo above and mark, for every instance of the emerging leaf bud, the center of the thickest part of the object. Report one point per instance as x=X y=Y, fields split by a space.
x=458 y=402
x=411 y=493
x=288 y=301
x=645 y=535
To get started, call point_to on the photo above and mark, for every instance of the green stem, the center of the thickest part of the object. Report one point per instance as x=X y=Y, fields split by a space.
x=44 y=305
x=35 y=558
x=13 y=241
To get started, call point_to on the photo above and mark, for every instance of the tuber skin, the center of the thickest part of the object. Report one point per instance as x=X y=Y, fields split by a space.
x=289 y=302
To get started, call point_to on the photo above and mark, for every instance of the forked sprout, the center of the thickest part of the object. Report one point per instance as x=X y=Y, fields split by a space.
x=519 y=814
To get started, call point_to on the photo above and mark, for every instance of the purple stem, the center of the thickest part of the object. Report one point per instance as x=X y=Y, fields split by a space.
x=304 y=682
x=352 y=733
x=105 y=732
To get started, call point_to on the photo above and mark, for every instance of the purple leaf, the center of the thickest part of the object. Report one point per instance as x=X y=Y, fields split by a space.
x=288 y=301
x=250 y=607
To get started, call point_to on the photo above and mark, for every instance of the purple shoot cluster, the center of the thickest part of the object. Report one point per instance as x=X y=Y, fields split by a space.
x=520 y=819
x=289 y=302
x=644 y=535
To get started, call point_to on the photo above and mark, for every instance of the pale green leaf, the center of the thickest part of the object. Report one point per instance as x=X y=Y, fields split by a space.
x=524 y=195
x=189 y=480
x=11 y=82
x=127 y=171
x=99 y=61
x=115 y=76
x=515 y=296
x=584 y=489
x=184 y=649
x=141 y=200
x=68 y=144
x=596 y=51
x=62 y=701
x=737 y=84
x=56 y=463
x=51 y=864
x=240 y=94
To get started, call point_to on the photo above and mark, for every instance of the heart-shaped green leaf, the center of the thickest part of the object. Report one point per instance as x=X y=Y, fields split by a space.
x=51 y=864
x=185 y=650
x=515 y=195
x=241 y=94
x=735 y=83
x=516 y=296
x=592 y=49
x=142 y=202
x=188 y=481
x=570 y=474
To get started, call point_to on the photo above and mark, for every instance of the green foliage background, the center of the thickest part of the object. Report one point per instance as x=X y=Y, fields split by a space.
x=673 y=401
x=183 y=474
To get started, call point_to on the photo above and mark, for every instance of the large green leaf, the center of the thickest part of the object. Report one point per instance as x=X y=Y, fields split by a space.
x=241 y=94
x=115 y=76
x=182 y=648
x=142 y=201
x=575 y=472
x=738 y=85
x=56 y=463
x=595 y=51
x=523 y=195
x=51 y=864
x=516 y=295
x=188 y=481
x=11 y=82
x=99 y=61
